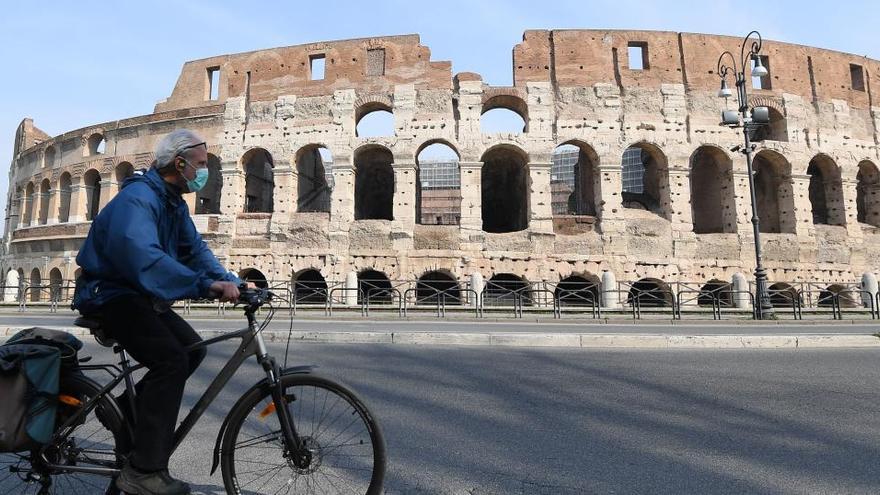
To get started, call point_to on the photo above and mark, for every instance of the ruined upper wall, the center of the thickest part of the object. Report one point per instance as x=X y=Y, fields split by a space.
x=265 y=75
x=572 y=58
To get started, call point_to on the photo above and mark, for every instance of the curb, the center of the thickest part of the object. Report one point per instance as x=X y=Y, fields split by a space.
x=570 y=340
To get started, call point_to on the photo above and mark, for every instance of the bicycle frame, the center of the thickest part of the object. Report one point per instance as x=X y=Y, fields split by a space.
x=252 y=343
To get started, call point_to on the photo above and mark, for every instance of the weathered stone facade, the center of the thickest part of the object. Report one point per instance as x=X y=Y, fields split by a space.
x=816 y=166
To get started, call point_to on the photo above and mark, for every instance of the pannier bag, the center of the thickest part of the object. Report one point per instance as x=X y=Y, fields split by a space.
x=29 y=376
x=65 y=342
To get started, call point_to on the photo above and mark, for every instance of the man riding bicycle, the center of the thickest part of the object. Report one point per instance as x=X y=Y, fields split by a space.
x=142 y=253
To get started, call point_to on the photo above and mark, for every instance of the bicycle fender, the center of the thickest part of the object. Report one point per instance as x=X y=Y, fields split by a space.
x=293 y=370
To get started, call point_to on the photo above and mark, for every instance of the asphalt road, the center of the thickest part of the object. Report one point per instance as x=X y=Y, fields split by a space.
x=463 y=420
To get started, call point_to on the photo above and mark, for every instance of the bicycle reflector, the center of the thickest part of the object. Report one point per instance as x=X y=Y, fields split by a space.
x=270 y=409
x=69 y=400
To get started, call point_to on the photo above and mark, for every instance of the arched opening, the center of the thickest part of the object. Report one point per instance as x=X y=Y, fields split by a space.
x=92 y=182
x=49 y=157
x=314 y=172
x=45 y=194
x=255 y=276
x=374 y=120
x=712 y=197
x=577 y=290
x=715 y=290
x=373 y=184
x=432 y=284
x=826 y=193
x=95 y=145
x=782 y=295
x=55 y=281
x=29 y=199
x=309 y=287
x=208 y=199
x=774 y=192
x=776 y=130
x=504 y=114
x=64 y=198
x=259 y=181
x=375 y=286
x=123 y=171
x=645 y=179
x=650 y=293
x=847 y=298
x=76 y=274
x=505 y=288
x=572 y=179
x=505 y=190
x=868 y=194
x=36 y=284
x=438 y=195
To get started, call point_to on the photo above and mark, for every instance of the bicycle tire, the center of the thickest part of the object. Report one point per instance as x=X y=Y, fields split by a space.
x=330 y=439
x=88 y=444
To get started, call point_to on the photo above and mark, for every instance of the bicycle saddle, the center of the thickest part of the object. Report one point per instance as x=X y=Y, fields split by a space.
x=93 y=323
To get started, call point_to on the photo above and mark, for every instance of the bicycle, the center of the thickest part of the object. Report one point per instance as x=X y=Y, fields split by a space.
x=292 y=432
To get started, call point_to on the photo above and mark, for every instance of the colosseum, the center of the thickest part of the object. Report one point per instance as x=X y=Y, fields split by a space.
x=620 y=175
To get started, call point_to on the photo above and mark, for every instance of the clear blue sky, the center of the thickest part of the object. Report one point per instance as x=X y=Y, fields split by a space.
x=71 y=64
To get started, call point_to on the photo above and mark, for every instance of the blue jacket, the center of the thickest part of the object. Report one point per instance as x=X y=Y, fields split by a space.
x=144 y=242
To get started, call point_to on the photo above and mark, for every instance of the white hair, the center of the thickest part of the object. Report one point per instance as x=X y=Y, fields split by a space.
x=176 y=143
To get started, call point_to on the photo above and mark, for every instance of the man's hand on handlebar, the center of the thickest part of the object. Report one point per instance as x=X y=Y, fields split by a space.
x=225 y=291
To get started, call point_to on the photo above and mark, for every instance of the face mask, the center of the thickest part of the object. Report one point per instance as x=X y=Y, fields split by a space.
x=201 y=178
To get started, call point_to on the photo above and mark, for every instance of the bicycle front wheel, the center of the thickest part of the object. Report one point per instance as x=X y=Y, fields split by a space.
x=345 y=442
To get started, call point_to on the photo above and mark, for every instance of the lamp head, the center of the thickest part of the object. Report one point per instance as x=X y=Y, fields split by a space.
x=759 y=70
x=725 y=91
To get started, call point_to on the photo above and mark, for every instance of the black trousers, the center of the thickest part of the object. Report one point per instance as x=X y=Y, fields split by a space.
x=158 y=341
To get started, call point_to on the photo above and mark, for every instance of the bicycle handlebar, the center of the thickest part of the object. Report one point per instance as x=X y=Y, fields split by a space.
x=253 y=298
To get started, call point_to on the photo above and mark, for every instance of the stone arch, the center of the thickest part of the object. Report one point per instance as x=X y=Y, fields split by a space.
x=508 y=106
x=435 y=282
x=92 y=184
x=773 y=191
x=503 y=288
x=650 y=293
x=438 y=183
x=713 y=202
x=208 y=199
x=314 y=172
x=373 y=183
x=36 y=282
x=123 y=171
x=374 y=117
x=826 y=191
x=374 y=285
x=578 y=290
x=64 y=190
x=713 y=290
x=847 y=298
x=505 y=189
x=868 y=193
x=259 y=181
x=255 y=276
x=29 y=197
x=782 y=295
x=77 y=273
x=95 y=144
x=645 y=179
x=573 y=176
x=55 y=284
x=45 y=194
x=310 y=287
x=776 y=130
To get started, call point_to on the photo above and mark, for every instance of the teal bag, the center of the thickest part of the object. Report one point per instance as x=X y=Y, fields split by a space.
x=29 y=378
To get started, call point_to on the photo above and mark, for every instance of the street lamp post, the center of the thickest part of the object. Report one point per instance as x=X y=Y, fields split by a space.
x=752 y=118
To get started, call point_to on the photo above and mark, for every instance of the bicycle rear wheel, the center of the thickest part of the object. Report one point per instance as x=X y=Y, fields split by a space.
x=98 y=440
x=346 y=444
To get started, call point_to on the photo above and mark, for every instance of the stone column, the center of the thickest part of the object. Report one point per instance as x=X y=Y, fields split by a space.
x=471 y=202
x=342 y=199
x=351 y=283
x=404 y=212
x=740 y=285
x=849 y=190
x=609 y=205
x=610 y=299
x=477 y=285
x=108 y=190
x=283 y=197
x=742 y=198
x=34 y=208
x=54 y=199
x=869 y=285
x=540 y=197
x=78 y=194
x=232 y=195
x=680 y=212
x=802 y=216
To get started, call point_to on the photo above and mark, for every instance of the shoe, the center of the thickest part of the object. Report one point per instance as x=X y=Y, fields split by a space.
x=134 y=482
